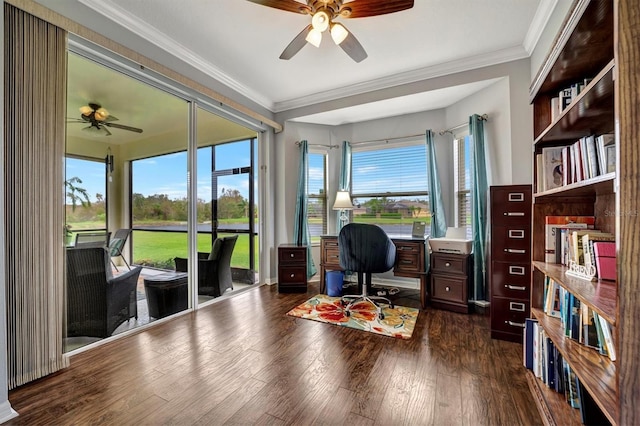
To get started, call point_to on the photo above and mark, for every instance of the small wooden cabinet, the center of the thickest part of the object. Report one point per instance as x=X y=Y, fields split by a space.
x=451 y=281
x=510 y=251
x=292 y=268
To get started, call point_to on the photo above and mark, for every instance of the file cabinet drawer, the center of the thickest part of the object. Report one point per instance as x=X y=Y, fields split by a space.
x=511 y=279
x=508 y=315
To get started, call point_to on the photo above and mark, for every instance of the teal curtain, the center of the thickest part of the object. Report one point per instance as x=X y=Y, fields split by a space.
x=301 y=228
x=345 y=178
x=479 y=206
x=438 y=216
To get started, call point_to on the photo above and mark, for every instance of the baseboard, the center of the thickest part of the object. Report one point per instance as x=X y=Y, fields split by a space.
x=481 y=303
x=6 y=412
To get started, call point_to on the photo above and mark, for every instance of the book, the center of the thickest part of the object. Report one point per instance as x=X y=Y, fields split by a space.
x=592 y=159
x=605 y=254
x=552 y=301
x=552 y=223
x=610 y=153
x=552 y=167
x=590 y=412
x=589 y=333
x=527 y=349
x=608 y=338
x=550 y=365
x=603 y=141
x=577 y=237
x=602 y=348
x=587 y=247
x=539 y=174
x=571 y=391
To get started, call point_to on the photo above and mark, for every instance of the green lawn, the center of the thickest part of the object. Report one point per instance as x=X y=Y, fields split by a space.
x=159 y=248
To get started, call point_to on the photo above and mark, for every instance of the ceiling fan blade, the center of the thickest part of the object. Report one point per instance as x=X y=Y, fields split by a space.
x=123 y=127
x=288 y=5
x=353 y=48
x=296 y=44
x=364 y=8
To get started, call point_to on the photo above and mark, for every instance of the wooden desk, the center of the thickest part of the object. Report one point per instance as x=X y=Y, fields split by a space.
x=410 y=261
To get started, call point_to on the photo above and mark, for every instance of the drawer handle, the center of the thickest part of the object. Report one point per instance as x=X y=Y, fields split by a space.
x=516 y=196
x=447 y=264
x=515 y=251
x=447 y=288
x=293 y=275
x=514 y=324
x=293 y=255
x=406 y=262
x=405 y=248
x=515 y=287
x=516 y=270
x=515 y=306
x=516 y=233
x=514 y=213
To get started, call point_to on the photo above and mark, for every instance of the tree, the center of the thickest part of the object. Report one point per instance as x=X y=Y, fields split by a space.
x=231 y=204
x=76 y=193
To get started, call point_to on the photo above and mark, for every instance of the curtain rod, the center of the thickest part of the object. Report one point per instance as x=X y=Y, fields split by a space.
x=387 y=139
x=298 y=143
x=483 y=117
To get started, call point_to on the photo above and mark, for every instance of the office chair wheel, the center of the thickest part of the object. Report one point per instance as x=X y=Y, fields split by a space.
x=381 y=316
x=347 y=313
x=392 y=306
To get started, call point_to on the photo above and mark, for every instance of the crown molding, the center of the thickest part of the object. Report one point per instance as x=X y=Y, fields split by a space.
x=538 y=23
x=151 y=34
x=439 y=70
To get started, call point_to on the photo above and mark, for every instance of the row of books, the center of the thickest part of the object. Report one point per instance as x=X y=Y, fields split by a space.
x=587 y=158
x=573 y=238
x=579 y=321
x=542 y=357
x=565 y=97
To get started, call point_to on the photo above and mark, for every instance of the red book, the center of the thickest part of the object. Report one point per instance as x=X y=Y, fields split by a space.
x=605 y=259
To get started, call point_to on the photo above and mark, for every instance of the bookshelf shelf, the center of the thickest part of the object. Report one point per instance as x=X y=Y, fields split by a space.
x=552 y=404
x=601 y=296
x=596 y=372
x=590 y=113
x=598 y=185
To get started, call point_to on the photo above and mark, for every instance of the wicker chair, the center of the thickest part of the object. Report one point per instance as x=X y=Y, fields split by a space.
x=117 y=244
x=97 y=302
x=214 y=269
x=92 y=239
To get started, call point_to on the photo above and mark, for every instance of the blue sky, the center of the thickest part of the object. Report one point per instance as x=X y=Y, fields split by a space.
x=167 y=174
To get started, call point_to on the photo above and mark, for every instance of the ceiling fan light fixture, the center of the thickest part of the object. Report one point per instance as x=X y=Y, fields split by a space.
x=320 y=21
x=101 y=114
x=314 y=37
x=86 y=110
x=338 y=33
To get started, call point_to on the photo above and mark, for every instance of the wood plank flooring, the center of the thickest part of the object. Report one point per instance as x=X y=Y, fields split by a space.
x=243 y=361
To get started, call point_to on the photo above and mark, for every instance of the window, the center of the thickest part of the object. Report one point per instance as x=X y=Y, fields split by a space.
x=462 y=181
x=317 y=194
x=389 y=187
x=86 y=193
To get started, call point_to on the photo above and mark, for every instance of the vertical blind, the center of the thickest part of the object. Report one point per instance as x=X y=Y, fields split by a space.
x=317 y=201
x=462 y=166
x=34 y=140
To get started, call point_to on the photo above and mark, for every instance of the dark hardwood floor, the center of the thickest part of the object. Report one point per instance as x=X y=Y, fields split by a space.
x=243 y=361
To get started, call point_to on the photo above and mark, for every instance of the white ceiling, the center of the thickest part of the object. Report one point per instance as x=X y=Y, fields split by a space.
x=238 y=43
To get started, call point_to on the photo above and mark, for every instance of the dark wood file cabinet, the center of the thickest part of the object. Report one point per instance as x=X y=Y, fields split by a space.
x=510 y=251
x=292 y=268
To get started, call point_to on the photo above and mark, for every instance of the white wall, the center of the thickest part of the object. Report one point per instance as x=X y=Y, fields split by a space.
x=539 y=54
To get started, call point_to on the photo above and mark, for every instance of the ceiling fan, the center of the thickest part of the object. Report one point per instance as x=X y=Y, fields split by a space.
x=99 y=119
x=323 y=13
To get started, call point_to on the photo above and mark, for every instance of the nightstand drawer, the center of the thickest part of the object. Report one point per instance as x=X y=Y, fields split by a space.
x=291 y=255
x=448 y=289
x=292 y=275
x=448 y=264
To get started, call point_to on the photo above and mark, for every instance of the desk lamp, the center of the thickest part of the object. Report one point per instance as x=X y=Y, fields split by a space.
x=343 y=203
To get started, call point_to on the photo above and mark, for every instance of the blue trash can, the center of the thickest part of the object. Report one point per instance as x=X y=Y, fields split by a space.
x=334 y=281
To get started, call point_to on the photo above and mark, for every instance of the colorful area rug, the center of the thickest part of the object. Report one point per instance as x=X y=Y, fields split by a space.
x=398 y=322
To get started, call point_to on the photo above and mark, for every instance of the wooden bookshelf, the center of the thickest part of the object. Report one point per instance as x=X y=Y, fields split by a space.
x=594 y=43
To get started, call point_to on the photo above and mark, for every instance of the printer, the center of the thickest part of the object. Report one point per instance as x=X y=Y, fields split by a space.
x=454 y=241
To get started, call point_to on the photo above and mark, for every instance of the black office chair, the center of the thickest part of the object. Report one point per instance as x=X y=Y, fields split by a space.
x=365 y=249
